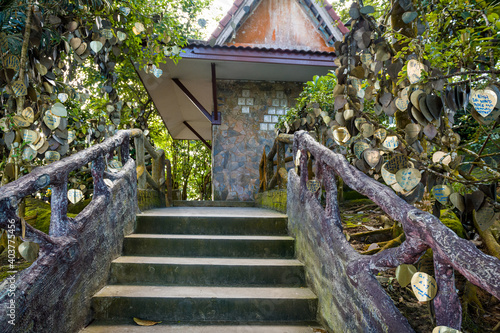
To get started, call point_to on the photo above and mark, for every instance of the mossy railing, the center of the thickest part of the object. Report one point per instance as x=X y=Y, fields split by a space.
x=422 y=230
x=268 y=178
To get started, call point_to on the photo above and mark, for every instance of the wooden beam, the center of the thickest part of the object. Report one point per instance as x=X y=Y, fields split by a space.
x=193 y=99
x=197 y=134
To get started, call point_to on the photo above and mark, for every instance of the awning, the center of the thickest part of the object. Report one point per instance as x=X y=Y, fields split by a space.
x=194 y=72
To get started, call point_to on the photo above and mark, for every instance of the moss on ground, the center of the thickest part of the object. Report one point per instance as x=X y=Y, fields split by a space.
x=37 y=213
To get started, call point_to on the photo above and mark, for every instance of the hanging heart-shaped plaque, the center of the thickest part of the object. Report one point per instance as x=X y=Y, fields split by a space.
x=485 y=217
x=391 y=142
x=341 y=135
x=424 y=286
x=30 y=136
x=29 y=251
x=441 y=157
x=28 y=154
x=372 y=157
x=441 y=193
x=484 y=101
x=96 y=46
x=380 y=134
x=75 y=195
x=414 y=70
x=313 y=185
x=59 y=110
x=20 y=121
x=444 y=329
x=388 y=177
x=28 y=114
x=52 y=156
x=51 y=121
x=408 y=178
x=359 y=148
x=458 y=201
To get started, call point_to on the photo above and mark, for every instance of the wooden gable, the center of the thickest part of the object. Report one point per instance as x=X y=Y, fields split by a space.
x=280 y=24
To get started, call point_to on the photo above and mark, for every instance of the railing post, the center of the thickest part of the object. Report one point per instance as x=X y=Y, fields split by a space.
x=59 y=208
x=446 y=303
x=170 y=200
x=141 y=166
x=97 y=169
x=281 y=163
x=159 y=173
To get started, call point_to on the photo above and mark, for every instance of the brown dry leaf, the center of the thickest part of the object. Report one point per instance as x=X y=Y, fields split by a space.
x=142 y=322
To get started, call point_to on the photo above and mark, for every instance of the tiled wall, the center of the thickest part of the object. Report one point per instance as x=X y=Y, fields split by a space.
x=250 y=111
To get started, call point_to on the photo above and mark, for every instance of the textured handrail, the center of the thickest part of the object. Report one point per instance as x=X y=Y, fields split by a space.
x=56 y=174
x=268 y=178
x=422 y=231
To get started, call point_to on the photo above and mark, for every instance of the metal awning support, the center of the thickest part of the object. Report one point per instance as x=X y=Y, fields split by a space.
x=214 y=119
x=214 y=91
x=197 y=134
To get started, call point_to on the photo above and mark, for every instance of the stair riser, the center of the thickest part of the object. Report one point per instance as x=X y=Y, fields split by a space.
x=206 y=275
x=210 y=225
x=199 y=310
x=209 y=248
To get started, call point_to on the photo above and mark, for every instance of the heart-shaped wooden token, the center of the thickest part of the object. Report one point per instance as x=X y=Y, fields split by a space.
x=51 y=121
x=313 y=185
x=96 y=46
x=414 y=195
x=485 y=217
x=361 y=165
x=52 y=156
x=59 y=110
x=444 y=329
x=441 y=193
x=359 y=148
x=424 y=286
x=423 y=107
x=408 y=178
x=341 y=135
x=20 y=121
x=434 y=105
x=358 y=122
x=458 y=201
x=441 y=157
x=28 y=154
x=414 y=70
x=418 y=116
x=28 y=114
x=115 y=165
x=388 y=177
x=391 y=142
x=29 y=251
x=396 y=163
x=39 y=144
x=412 y=131
x=430 y=131
x=30 y=136
x=380 y=134
x=414 y=98
x=372 y=157
x=75 y=195
x=367 y=130
x=484 y=101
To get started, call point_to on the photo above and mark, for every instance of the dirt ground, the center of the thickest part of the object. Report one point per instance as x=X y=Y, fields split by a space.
x=362 y=216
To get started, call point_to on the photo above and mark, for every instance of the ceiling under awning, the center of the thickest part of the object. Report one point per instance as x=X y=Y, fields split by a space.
x=194 y=71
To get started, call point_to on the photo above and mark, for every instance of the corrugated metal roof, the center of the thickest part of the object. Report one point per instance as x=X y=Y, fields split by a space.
x=201 y=43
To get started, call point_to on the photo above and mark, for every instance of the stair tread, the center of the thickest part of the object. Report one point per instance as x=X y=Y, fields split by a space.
x=205 y=292
x=249 y=212
x=213 y=237
x=207 y=261
x=105 y=327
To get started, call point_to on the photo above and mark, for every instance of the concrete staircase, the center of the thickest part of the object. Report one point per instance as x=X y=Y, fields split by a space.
x=207 y=269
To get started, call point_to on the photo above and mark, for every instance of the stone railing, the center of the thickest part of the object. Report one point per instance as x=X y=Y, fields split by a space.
x=268 y=177
x=354 y=288
x=53 y=294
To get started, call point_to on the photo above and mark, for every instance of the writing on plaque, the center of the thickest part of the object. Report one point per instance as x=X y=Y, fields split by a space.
x=424 y=286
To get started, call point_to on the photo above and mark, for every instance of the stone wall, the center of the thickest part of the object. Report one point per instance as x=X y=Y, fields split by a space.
x=249 y=112
x=54 y=293
x=275 y=199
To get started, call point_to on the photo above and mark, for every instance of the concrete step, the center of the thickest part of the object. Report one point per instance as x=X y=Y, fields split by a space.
x=209 y=246
x=192 y=203
x=199 y=304
x=130 y=327
x=212 y=221
x=207 y=271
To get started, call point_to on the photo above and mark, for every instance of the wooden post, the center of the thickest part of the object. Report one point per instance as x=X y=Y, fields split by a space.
x=59 y=208
x=139 y=158
x=169 y=199
x=281 y=162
